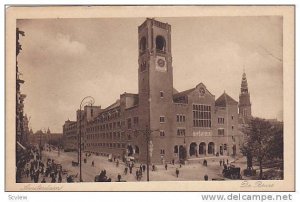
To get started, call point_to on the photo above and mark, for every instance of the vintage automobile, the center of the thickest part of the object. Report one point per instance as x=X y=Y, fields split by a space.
x=232 y=172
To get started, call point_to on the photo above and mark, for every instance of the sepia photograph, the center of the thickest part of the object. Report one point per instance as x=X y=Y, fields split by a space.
x=140 y=98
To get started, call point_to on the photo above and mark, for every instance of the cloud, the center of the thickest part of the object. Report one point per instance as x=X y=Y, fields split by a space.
x=64 y=44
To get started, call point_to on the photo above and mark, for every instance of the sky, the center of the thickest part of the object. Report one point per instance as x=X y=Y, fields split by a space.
x=65 y=60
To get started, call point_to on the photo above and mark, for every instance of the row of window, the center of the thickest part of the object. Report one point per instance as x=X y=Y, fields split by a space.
x=201 y=107
x=70 y=127
x=107 y=126
x=107 y=145
x=202 y=123
x=111 y=135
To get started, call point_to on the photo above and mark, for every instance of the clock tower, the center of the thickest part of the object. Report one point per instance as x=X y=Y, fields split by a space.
x=155 y=76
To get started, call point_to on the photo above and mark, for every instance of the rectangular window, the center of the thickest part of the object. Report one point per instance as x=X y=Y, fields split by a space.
x=180 y=118
x=221 y=131
x=232 y=127
x=221 y=120
x=162 y=151
x=181 y=131
x=162 y=133
x=129 y=123
x=201 y=116
x=232 y=117
x=162 y=119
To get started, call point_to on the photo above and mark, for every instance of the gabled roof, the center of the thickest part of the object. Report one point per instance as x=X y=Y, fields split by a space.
x=225 y=100
x=183 y=93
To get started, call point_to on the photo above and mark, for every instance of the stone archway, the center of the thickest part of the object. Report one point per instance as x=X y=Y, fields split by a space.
x=211 y=148
x=202 y=148
x=129 y=150
x=182 y=153
x=193 y=149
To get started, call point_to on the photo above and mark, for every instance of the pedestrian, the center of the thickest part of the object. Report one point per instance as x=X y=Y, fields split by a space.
x=53 y=180
x=144 y=167
x=177 y=172
x=36 y=178
x=206 y=177
x=141 y=167
x=125 y=170
x=137 y=174
x=153 y=167
x=173 y=161
x=27 y=172
x=180 y=165
x=93 y=163
x=59 y=178
x=166 y=166
x=220 y=162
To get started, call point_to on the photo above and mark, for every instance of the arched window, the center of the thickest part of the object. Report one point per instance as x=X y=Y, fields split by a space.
x=160 y=43
x=143 y=44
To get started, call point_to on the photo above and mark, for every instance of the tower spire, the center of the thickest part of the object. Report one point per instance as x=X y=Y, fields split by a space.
x=244 y=98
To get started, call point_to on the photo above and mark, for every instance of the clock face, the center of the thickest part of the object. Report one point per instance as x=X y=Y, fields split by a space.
x=161 y=62
x=201 y=91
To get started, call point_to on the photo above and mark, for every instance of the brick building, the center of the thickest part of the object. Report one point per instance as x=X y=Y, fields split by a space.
x=183 y=125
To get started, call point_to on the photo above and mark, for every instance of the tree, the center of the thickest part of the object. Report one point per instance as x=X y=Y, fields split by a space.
x=264 y=141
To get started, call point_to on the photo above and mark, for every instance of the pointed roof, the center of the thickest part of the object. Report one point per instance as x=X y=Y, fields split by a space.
x=225 y=100
x=244 y=84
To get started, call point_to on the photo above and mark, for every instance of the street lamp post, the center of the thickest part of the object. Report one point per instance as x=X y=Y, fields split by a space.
x=87 y=100
x=147 y=132
x=40 y=145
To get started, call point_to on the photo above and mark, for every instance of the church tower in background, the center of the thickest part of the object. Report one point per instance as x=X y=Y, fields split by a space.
x=244 y=100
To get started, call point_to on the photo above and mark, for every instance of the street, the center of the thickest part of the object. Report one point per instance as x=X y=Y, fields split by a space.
x=191 y=172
